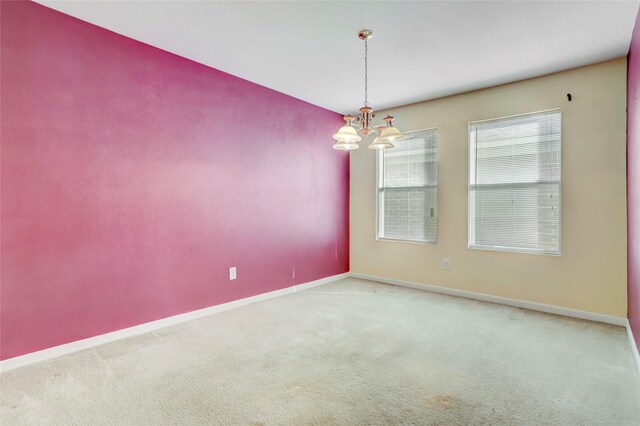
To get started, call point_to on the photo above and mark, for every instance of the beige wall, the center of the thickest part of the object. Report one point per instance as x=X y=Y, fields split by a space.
x=591 y=273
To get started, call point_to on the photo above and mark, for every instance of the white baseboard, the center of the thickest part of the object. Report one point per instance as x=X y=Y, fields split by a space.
x=634 y=348
x=321 y=281
x=78 y=345
x=551 y=309
x=56 y=351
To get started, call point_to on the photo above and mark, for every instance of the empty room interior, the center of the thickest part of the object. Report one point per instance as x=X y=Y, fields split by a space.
x=320 y=213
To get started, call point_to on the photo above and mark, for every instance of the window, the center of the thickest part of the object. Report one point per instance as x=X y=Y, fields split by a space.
x=408 y=189
x=514 y=183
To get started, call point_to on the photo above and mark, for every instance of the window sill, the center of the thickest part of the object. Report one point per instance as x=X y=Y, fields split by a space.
x=393 y=240
x=514 y=250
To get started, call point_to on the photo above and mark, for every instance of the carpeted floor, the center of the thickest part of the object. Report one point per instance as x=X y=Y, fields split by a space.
x=352 y=353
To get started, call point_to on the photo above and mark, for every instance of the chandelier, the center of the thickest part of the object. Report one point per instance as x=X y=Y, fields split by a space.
x=357 y=127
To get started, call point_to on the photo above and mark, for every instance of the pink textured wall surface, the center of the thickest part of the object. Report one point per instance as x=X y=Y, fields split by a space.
x=132 y=179
x=633 y=180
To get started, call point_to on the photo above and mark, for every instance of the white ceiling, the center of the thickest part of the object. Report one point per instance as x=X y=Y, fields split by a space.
x=420 y=51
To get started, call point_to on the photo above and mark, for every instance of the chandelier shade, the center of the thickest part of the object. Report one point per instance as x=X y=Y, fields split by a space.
x=347 y=134
x=350 y=134
x=390 y=134
x=346 y=146
x=378 y=143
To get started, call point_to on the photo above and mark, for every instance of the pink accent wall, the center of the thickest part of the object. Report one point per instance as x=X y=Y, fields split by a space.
x=633 y=180
x=132 y=179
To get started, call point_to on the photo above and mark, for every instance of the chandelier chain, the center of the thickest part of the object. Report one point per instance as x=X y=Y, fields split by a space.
x=366 y=74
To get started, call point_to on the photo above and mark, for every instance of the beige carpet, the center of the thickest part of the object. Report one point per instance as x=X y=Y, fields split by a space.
x=351 y=352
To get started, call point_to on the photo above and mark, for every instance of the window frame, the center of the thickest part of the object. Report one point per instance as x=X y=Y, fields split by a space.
x=379 y=175
x=469 y=216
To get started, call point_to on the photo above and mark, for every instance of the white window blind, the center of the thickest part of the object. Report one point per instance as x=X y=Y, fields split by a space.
x=408 y=188
x=514 y=183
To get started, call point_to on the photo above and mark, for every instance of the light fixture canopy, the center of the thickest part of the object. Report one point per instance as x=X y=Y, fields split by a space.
x=350 y=134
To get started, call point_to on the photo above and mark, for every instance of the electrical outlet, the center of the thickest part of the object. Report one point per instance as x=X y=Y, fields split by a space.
x=446 y=264
x=232 y=273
